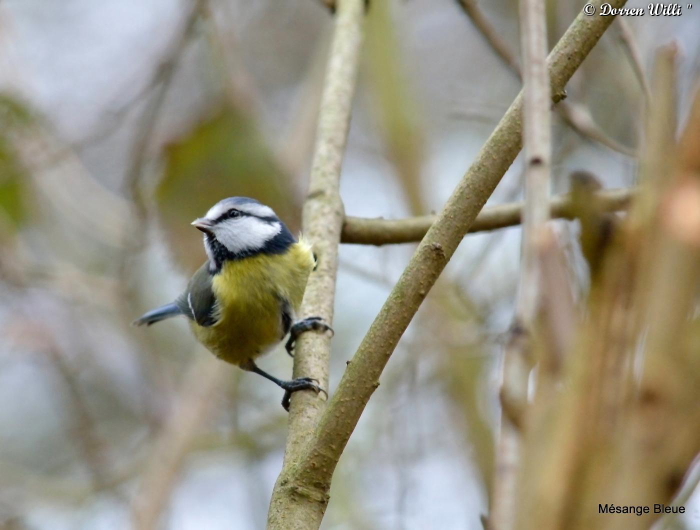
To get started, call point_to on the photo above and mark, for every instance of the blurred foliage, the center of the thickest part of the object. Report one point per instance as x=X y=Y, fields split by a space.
x=396 y=109
x=13 y=177
x=11 y=173
x=86 y=409
x=222 y=156
x=464 y=364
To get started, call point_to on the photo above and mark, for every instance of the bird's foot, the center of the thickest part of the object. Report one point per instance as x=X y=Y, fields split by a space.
x=302 y=326
x=301 y=383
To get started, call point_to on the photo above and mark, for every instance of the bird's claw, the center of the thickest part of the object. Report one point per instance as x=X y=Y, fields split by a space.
x=301 y=383
x=302 y=326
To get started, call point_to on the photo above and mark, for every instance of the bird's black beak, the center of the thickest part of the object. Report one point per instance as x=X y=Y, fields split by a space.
x=203 y=224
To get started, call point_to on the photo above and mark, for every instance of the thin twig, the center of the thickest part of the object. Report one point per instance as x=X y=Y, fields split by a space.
x=84 y=429
x=149 y=118
x=307 y=483
x=578 y=120
x=491 y=35
x=237 y=81
x=571 y=437
x=322 y=224
x=364 y=231
x=629 y=43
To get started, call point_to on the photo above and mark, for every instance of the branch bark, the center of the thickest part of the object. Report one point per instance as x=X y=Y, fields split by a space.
x=538 y=154
x=364 y=231
x=301 y=494
x=578 y=118
x=291 y=507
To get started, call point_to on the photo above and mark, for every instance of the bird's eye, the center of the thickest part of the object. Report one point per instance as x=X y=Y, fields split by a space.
x=233 y=213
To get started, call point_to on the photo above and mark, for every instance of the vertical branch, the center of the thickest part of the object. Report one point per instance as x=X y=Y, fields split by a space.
x=301 y=494
x=537 y=144
x=570 y=446
x=323 y=211
x=322 y=224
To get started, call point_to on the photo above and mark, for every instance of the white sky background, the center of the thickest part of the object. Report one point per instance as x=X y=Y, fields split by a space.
x=80 y=62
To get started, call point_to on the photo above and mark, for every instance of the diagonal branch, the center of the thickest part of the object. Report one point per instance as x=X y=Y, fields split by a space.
x=322 y=223
x=364 y=231
x=629 y=43
x=575 y=116
x=491 y=35
x=306 y=483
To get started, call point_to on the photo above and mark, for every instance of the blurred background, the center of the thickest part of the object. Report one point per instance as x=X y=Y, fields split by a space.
x=121 y=121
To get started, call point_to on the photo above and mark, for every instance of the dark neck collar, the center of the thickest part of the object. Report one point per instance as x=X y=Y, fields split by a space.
x=220 y=254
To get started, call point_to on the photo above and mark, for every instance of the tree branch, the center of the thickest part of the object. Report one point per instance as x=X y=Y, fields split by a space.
x=579 y=118
x=623 y=425
x=148 y=120
x=575 y=117
x=491 y=35
x=322 y=223
x=306 y=483
x=538 y=158
x=363 y=231
x=629 y=43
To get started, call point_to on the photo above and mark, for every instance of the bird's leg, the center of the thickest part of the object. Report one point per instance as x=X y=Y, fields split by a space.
x=289 y=387
x=301 y=326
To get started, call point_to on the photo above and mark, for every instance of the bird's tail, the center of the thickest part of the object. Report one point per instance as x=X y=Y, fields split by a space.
x=158 y=314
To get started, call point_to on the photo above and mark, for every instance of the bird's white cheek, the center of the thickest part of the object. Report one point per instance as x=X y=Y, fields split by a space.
x=245 y=234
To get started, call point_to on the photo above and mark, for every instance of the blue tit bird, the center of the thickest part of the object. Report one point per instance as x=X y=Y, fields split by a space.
x=243 y=300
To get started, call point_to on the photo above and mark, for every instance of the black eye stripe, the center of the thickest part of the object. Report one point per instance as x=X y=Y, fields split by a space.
x=230 y=214
x=234 y=213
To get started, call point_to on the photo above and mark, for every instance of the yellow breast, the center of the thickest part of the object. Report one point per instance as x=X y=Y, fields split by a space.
x=250 y=294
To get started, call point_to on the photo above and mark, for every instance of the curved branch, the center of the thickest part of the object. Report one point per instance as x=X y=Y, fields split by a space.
x=364 y=231
x=305 y=486
x=574 y=116
x=308 y=482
